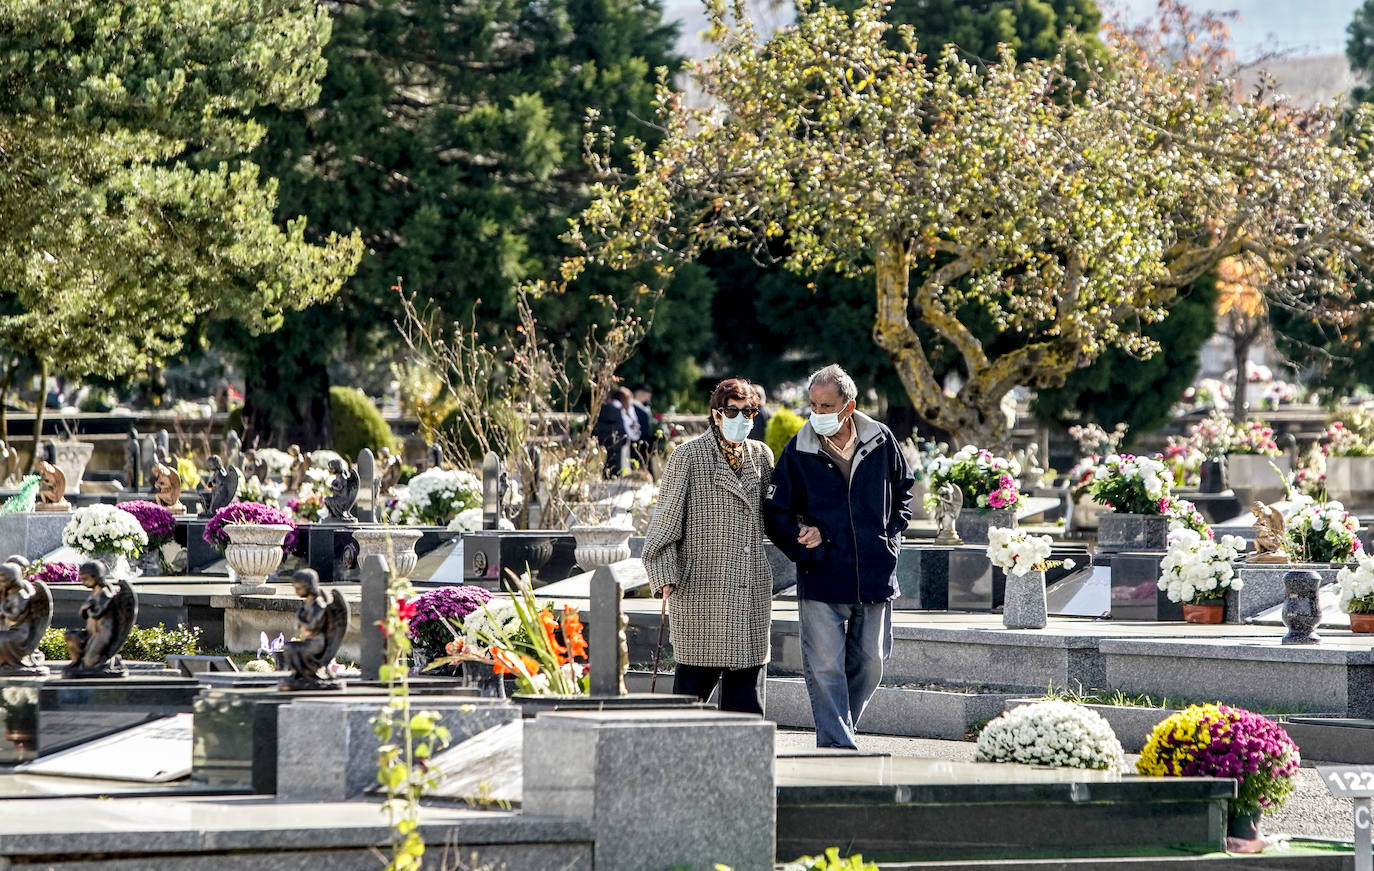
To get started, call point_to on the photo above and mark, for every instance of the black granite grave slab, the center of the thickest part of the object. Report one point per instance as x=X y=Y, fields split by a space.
x=70 y=712
x=1135 y=587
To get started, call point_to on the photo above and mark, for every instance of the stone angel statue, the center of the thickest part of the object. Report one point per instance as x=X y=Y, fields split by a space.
x=53 y=488
x=109 y=613
x=223 y=486
x=25 y=614
x=321 y=621
x=167 y=483
x=1270 y=535
x=390 y=472
x=949 y=502
x=343 y=493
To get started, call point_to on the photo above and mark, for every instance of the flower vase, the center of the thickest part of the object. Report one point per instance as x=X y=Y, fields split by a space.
x=1023 y=602
x=1212 y=476
x=253 y=553
x=1245 y=825
x=1302 y=610
x=1362 y=622
x=395 y=543
x=600 y=545
x=72 y=458
x=108 y=558
x=1203 y=612
x=149 y=563
x=972 y=525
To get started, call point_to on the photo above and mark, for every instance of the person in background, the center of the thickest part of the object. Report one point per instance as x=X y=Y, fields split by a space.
x=837 y=508
x=612 y=430
x=703 y=552
x=760 y=419
x=645 y=449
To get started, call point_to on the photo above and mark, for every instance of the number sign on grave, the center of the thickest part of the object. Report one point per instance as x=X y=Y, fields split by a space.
x=1354 y=782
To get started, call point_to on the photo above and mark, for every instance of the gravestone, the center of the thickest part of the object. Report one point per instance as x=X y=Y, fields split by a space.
x=233 y=450
x=374 y=578
x=164 y=444
x=493 y=489
x=155 y=752
x=607 y=647
x=133 y=462
x=366 y=506
x=148 y=459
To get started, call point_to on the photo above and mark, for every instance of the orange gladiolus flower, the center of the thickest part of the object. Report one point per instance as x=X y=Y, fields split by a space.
x=506 y=662
x=572 y=633
x=551 y=633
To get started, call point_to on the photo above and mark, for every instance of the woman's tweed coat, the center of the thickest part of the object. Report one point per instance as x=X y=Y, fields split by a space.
x=706 y=536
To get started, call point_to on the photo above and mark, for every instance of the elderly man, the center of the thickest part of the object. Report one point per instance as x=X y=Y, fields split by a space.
x=837 y=507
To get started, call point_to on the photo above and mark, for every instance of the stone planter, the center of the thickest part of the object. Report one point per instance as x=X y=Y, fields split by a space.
x=1212 y=476
x=1133 y=532
x=973 y=525
x=1302 y=609
x=71 y=458
x=600 y=545
x=1023 y=602
x=1252 y=477
x=1350 y=481
x=396 y=543
x=254 y=552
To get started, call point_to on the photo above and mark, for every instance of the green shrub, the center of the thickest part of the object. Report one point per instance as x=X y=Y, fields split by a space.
x=357 y=423
x=153 y=644
x=784 y=424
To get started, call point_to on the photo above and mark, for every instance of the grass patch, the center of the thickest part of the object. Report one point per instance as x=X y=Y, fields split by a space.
x=1121 y=699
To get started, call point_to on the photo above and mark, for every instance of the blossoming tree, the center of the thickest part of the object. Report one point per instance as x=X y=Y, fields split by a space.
x=1063 y=201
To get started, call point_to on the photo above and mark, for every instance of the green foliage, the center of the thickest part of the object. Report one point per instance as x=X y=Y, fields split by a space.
x=124 y=219
x=448 y=135
x=1062 y=225
x=782 y=425
x=1359 y=50
x=830 y=861
x=1120 y=387
x=357 y=423
x=144 y=644
x=1031 y=30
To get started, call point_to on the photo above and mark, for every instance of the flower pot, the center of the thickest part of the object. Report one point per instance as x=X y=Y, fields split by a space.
x=600 y=545
x=1203 y=613
x=1023 y=602
x=1133 y=532
x=1245 y=826
x=972 y=525
x=254 y=552
x=1252 y=476
x=396 y=543
x=71 y=458
x=1350 y=481
x=1302 y=610
x=1362 y=622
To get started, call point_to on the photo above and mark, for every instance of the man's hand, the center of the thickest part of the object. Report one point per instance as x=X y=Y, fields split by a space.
x=667 y=590
x=809 y=536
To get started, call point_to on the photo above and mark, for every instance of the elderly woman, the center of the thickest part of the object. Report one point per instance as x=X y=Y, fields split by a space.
x=704 y=553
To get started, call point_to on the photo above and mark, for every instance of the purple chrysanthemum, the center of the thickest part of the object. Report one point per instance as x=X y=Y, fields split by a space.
x=55 y=573
x=247 y=512
x=156 y=521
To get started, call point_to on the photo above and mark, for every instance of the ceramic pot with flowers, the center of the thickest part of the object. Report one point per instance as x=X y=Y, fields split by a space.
x=1356 y=585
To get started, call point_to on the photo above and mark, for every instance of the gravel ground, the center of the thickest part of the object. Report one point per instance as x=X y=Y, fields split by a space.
x=1312 y=811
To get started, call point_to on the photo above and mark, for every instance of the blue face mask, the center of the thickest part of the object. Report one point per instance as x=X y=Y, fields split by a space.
x=735 y=429
x=825 y=424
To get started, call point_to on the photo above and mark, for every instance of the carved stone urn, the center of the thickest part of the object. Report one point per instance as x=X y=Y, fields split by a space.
x=396 y=543
x=600 y=545
x=71 y=458
x=254 y=553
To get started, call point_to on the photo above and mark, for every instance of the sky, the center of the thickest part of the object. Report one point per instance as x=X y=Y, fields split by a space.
x=1297 y=27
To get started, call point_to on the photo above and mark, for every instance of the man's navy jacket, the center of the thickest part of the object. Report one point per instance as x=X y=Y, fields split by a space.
x=861 y=520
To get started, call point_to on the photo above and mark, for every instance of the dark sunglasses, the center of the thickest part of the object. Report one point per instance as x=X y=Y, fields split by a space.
x=733 y=413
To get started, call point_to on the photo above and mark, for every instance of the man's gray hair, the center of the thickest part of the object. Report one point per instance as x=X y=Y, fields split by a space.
x=833 y=374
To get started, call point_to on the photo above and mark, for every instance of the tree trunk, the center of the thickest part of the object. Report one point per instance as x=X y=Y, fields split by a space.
x=38 y=415
x=286 y=382
x=1241 y=342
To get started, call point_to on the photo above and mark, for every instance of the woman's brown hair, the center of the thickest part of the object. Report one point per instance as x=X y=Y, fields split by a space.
x=732 y=388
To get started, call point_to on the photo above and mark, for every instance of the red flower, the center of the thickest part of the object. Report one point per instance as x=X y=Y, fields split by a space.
x=572 y=632
x=406 y=609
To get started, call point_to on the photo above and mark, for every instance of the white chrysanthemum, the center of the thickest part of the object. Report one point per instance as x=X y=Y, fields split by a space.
x=1057 y=733
x=104 y=529
x=1195 y=566
x=1357 y=584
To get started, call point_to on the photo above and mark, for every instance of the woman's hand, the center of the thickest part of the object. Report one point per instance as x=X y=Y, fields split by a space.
x=667 y=590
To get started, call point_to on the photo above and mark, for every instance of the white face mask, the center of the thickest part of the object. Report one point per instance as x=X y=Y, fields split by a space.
x=735 y=429
x=825 y=424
